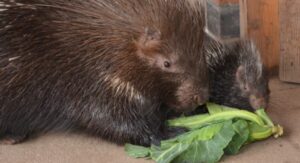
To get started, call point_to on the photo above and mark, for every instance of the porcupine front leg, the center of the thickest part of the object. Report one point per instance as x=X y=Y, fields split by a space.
x=11 y=139
x=133 y=127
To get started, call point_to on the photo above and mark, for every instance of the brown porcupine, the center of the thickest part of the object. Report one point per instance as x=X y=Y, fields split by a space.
x=238 y=77
x=111 y=68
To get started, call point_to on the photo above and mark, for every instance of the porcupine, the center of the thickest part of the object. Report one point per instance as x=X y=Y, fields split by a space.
x=110 y=68
x=238 y=77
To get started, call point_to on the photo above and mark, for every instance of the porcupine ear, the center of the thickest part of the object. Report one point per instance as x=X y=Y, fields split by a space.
x=150 y=39
x=239 y=74
x=241 y=78
x=149 y=45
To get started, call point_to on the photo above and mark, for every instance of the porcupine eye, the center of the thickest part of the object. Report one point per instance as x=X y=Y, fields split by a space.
x=167 y=64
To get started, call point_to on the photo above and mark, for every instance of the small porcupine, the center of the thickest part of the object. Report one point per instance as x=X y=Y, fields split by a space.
x=238 y=77
x=108 y=67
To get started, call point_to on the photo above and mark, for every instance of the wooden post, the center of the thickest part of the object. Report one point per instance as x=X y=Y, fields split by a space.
x=290 y=40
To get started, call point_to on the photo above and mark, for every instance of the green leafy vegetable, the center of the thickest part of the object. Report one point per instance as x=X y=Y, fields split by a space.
x=222 y=130
x=240 y=138
x=208 y=151
x=137 y=151
x=205 y=133
x=262 y=114
x=198 y=121
x=167 y=155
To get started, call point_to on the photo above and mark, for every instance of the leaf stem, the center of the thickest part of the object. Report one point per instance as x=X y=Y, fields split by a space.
x=262 y=114
x=217 y=117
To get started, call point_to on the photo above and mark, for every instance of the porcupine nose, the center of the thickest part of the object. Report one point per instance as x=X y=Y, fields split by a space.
x=258 y=102
x=200 y=99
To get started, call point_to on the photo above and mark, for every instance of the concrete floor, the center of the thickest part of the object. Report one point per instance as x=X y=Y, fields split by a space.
x=75 y=148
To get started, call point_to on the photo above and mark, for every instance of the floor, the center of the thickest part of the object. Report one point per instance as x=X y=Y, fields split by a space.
x=75 y=148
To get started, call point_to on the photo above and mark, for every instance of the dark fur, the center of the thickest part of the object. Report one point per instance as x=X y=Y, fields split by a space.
x=237 y=75
x=93 y=65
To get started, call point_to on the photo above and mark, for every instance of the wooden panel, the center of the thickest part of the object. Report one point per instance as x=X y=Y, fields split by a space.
x=263 y=27
x=290 y=40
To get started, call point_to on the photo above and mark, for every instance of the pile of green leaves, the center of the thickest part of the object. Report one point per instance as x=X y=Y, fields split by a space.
x=222 y=131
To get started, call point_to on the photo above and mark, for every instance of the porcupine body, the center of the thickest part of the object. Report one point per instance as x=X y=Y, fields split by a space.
x=107 y=67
